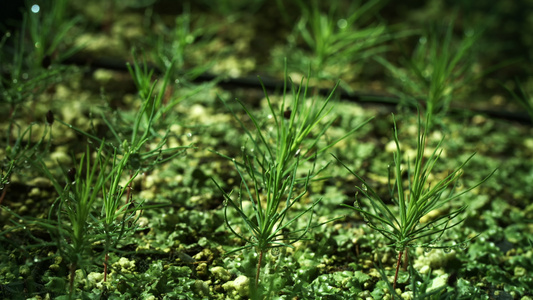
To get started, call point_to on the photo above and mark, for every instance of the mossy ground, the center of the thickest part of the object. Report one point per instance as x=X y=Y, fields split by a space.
x=178 y=252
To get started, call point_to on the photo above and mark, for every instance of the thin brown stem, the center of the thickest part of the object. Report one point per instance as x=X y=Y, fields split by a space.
x=105 y=267
x=128 y=193
x=72 y=275
x=258 y=268
x=397 y=268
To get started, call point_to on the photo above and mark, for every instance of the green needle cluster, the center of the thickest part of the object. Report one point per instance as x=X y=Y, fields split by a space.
x=414 y=199
x=272 y=179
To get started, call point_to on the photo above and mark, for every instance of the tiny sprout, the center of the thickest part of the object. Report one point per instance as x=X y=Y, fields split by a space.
x=50 y=118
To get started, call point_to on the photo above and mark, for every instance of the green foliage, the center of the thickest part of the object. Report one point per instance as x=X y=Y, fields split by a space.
x=402 y=225
x=48 y=28
x=273 y=165
x=170 y=281
x=20 y=153
x=414 y=201
x=92 y=206
x=76 y=203
x=337 y=39
x=524 y=98
x=90 y=214
x=437 y=69
x=101 y=185
x=142 y=77
x=28 y=56
x=175 y=46
x=21 y=80
x=234 y=8
x=143 y=127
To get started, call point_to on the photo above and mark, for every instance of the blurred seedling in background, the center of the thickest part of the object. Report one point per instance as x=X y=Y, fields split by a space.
x=524 y=98
x=176 y=48
x=234 y=8
x=336 y=43
x=276 y=170
x=24 y=150
x=20 y=80
x=27 y=70
x=161 y=91
x=145 y=147
x=440 y=67
x=49 y=24
x=401 y=224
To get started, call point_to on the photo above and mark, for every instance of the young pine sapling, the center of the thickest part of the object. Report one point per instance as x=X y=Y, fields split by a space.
x=402 y=225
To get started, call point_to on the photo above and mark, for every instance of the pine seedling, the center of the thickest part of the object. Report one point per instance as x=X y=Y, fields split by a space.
x=271 y=173
x=402 y=224
x=131 y=155
x=48 y=26
x=22 y=80
x=437 y=69
x=74 y=209
x=336 y=39
x=156 y=94
x=142 y=77
x=524 y=98
x=113 y=194
x=142 y=127
x=22 y=152
x=175 y=46
x=93 y=184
